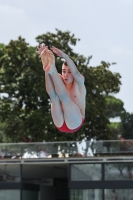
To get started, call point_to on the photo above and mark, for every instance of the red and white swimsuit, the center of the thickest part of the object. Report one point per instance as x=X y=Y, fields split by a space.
x=64 y=127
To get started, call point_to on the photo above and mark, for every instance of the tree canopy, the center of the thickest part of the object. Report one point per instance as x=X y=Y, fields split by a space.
x=127 y=125
x=25 y=105
x=114 y=107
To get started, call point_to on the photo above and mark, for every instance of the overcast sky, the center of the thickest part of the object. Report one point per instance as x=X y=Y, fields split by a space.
x=105 y=28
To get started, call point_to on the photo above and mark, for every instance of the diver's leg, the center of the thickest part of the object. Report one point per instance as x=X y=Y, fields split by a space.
x=56 y=110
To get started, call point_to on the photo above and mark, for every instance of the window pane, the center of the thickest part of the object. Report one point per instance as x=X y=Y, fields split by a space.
x=9 y=173
x=29 y=195
x=119 y=171
x=85 y=172
x=89 y=194
x=9 y=194
x=118 y=194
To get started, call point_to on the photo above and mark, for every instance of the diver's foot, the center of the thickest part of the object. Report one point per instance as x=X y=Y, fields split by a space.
x=44 y=59
x=51 y=62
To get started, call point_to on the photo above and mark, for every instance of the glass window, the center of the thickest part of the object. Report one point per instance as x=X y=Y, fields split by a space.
x=29 y=195
x=82 y=194
x=118 y=194
x=119 y=171
x=85 y=172
x=10 y=194
x=9 y=173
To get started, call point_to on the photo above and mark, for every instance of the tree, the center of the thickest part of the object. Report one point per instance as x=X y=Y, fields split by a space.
x=114 y=107
x=115 y=129
x=25 y=104
x=102 y=83
x=26 y=108
x=127 y=125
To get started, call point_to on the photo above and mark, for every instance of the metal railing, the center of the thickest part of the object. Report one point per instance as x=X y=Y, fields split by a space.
x=66 y=149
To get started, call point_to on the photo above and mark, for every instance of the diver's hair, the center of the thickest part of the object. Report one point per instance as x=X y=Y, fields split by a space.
x=65 y=63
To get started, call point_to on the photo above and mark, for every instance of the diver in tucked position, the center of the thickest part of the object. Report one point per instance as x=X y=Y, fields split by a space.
x=66 y=91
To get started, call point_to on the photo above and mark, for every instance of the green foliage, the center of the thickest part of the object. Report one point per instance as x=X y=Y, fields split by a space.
x=115 y=129
x=114 y=107
x=22 y=79
x=100 y=83
x=25 y=109
x=127 y=125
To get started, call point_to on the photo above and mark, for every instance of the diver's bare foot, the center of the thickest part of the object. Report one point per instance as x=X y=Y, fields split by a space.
x=44 y=59
x=51 y=62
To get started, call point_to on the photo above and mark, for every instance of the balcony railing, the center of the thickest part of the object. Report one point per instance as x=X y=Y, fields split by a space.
x=66 y=149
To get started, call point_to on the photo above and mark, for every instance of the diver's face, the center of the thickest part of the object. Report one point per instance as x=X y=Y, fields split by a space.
x=66 y=74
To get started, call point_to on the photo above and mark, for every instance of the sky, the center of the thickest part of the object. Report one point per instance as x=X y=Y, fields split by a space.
x=105 y=29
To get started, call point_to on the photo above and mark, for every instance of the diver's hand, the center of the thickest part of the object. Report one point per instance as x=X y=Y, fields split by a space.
x=58 y=52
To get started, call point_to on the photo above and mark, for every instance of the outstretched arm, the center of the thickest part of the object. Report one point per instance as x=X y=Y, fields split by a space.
x=78 y=77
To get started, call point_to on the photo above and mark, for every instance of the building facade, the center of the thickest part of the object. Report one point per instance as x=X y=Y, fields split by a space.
x=61 y=171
